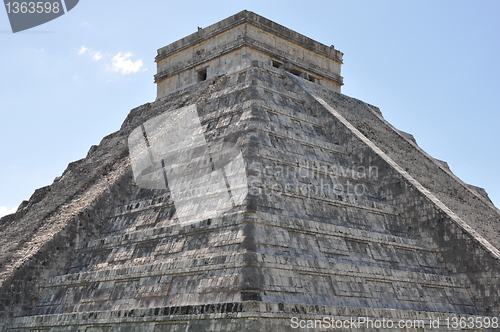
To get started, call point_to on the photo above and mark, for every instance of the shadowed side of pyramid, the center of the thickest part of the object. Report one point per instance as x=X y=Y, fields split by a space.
x=146 y=232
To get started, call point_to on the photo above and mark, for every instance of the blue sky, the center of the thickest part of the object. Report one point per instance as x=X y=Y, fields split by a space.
x=431 y=66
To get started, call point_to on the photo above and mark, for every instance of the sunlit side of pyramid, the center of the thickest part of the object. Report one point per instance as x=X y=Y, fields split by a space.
x=249 y=193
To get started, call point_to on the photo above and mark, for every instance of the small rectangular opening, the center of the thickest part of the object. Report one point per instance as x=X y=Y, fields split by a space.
x=276 y=64
x=311 y=78
x=202 y=75
x=295 y=72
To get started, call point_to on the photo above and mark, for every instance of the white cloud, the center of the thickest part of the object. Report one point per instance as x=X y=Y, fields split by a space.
x=5 y=211
x=83 y=50
x=122 y=63
x=97 y=56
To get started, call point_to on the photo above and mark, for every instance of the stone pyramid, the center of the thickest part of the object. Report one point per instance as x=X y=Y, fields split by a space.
x=252 y=196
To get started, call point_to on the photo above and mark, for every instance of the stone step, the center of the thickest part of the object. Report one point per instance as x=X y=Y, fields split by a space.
x=252 y=316
x=344 y=288
x=366 y=241
x=234 y=261
x=473 y=209
x=311 y=227
x=279 y=233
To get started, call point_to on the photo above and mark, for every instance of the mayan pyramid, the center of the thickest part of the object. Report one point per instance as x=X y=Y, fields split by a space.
x=252 y=196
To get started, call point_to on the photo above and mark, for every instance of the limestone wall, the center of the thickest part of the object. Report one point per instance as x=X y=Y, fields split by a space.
x=477 y=211
x=462 y=223
x=304 y=242
x=234 y=43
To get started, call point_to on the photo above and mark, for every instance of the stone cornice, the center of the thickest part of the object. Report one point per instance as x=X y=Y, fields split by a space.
x=249 y=42
x=256 y=20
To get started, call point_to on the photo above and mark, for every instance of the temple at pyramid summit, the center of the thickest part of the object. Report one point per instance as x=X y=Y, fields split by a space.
x=252 y=195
